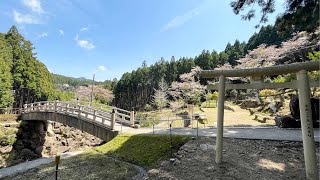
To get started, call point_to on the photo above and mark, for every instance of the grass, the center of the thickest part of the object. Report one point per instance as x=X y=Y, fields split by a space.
x=103 y=162
x=7 y=135
x=8 y=117
x=240 y=117
x=91 y=165
x=144 y=150
x=209 y=104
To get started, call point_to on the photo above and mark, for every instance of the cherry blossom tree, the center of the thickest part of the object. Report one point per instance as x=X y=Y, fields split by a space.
x=189 y=89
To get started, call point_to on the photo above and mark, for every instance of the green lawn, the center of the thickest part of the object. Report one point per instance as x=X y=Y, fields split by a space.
x=238 y=117
x=144 y=150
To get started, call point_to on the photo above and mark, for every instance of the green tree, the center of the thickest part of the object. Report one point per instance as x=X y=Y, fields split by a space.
x=223 y=58
x=203 y=60
x=299 y=14
x=31 y=79
x=6 y=95
x=215 y=59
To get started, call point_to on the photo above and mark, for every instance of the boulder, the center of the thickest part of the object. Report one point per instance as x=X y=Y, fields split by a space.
x=153 y=173
x=52 y=150
x=63 y=149
x=49 y=141
x=39 y=150
x=5 y=149
x=50 y=131
x=27 y=154
x=30 y=144
x=295 y=111
x=57 y=125
x=4 y=141
x=39 y=127
x=18 y=145
x=249 y=104
x=287 y=122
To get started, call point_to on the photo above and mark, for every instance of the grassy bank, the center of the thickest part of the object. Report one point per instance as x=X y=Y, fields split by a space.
x=106 y=161
x=144 y=150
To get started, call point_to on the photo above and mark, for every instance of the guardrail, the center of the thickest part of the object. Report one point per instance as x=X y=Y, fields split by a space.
x=106 y=116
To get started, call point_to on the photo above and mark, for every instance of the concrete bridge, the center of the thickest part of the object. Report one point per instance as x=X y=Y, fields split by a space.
x=104 y=122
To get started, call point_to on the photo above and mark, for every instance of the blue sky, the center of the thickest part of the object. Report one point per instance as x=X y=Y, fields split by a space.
x=110 y=37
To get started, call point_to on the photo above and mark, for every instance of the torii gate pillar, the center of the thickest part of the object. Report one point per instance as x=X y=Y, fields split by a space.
x=309 y=150
x=219 y=138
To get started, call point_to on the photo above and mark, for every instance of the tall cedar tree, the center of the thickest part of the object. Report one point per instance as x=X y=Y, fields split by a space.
x=6 y=93
x=31 y=79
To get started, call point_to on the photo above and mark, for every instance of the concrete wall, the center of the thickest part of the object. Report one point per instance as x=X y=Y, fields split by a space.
x=73 y=121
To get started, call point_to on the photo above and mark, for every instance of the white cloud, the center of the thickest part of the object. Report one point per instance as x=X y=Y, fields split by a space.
x=61 y=32
x=184 y=18
x=25 y=18
x=84 y=43
x=102 y=68
x=34 y=5
x=43 y=35
x=84 y=29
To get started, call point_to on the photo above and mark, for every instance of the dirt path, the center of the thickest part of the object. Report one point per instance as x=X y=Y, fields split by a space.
x=40 y=168
x=242 y=159
x=25 y=166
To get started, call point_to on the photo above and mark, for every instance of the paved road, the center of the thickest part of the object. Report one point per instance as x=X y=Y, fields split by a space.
x=267 y=133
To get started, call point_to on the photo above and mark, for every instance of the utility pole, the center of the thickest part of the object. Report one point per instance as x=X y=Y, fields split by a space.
x=92 y=89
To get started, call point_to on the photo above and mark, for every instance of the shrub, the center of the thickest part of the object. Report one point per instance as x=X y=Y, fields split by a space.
x=267 y=92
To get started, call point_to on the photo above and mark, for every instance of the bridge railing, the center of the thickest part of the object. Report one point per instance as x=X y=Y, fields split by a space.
x=103 y=116
x=10 y=110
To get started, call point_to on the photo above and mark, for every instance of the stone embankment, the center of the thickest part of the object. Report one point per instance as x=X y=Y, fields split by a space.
x=35 y=139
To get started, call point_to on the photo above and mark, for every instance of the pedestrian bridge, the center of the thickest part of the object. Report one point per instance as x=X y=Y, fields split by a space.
x=104 y=122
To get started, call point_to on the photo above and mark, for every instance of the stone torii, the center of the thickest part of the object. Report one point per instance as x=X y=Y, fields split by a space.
x=256 y=76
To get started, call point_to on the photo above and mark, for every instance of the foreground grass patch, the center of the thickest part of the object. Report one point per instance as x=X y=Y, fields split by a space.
x=144 y=149
x=90 y=165
x=8 y=117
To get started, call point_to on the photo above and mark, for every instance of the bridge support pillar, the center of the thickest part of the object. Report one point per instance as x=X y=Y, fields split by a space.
x=309 y=150
x=219 y=138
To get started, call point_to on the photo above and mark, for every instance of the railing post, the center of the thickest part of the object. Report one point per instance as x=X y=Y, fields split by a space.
x=55 y=105
x=94 y=115
x=46 y=106
x=25 y=108
x=113 y=119
x=67 y=110
x=132 y=118
x=309 y=149
x=219 y=138
x=79 y=110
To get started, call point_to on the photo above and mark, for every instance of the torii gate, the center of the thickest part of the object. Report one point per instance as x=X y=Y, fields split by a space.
x=256 y=76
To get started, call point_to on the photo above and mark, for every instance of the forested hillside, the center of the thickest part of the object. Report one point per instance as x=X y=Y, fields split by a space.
x=135 y=89
x=60 y=79
x=23 y=77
